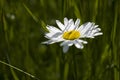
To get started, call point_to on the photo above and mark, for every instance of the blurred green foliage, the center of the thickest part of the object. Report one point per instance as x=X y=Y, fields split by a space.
x=22 y=28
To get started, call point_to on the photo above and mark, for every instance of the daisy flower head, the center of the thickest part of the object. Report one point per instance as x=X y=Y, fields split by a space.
x=71 y=33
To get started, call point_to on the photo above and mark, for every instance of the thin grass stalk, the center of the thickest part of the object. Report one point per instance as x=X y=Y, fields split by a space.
x=114 y=48
x=20 y=70
x=8 y=44
x=95 y=10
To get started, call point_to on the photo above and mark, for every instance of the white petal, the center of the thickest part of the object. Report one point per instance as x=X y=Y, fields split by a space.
x=48 y=42
x=96 y=34
x=97 y=29
x=69 y=25
x=72 y=26
x=60 y=25
x=69 y=43
x=82 y=26
x=78 y=44
x=53 y=29
x=91 y=31
x=86 y=28
x=53 y=35
x=82 y=41
x=56 y=35
x=65 y=48
x=63 y=43
x=65 y=21
x=96 y=26
x=53 y=40
x=49 y=35
x=58 y=39
x=70 y=20
x=90 y=37
x=77 y=22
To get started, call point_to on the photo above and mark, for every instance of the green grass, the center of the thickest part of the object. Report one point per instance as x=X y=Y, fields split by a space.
x=22 y=27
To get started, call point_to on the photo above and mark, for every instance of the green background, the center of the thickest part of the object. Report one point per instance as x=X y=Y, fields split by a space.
x=22 y=27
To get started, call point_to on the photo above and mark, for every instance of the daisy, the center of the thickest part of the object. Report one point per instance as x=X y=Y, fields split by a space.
x=71 y=33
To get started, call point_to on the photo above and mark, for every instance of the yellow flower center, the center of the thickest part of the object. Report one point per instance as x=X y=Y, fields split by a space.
x=71 y=35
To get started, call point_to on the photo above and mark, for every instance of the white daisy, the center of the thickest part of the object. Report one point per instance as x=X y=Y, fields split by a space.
x=71 y=33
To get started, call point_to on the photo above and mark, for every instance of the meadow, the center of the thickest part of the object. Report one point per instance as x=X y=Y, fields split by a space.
x=22 y=30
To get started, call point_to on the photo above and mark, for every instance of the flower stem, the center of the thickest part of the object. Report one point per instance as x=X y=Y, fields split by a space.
x=62 y=65
x=74 y=67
